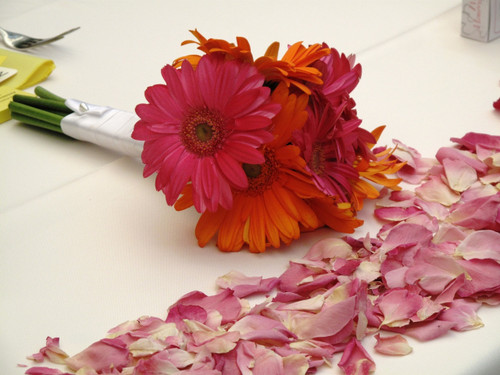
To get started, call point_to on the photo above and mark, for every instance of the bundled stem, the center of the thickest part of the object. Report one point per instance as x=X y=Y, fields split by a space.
x=45 y=111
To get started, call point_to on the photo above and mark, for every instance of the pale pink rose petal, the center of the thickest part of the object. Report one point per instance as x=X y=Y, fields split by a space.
x=356 y=360
x=329 y=248
x=101 y=355
x=179 y=358
x=261 y=329
x=222 y=343
x=448 y=294
x=178 y=313
x=395 y=345
x=301 y=279
x=435 y=190
x=493 y=175
x=200 y=371
x=428 y=330
x=482 y=244
x=38 y=370
x=225 y=302
x=449 y=233
x=314 y=348
x=463 y=156
x=310 y=304
x=480 y=213
x=157 y=364
x=489 y=157
x=296 y=364
x=433 y=270
x=145 y=347
x=51 y=351
x=482 y=277
x=244 y=286
x=396 y=213
x=433 y=209
x=479 y=191
x=416 y=168
x=398 y=306
x=268 y=362
x=395 y=278
x=403 y=197
x=463 y=314
x=460 y=176
x=472 y=140
x=429 y=310
x=406 y=235
x=329 y=321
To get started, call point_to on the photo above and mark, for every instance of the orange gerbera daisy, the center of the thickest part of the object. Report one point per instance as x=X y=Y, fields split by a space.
x=272 y=210
x=294 y=68
x=375 y=171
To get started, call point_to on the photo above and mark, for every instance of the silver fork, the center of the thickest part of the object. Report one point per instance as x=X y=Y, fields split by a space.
x=20 y=41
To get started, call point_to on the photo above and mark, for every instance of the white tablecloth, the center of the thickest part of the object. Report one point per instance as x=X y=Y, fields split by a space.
x=86 y=243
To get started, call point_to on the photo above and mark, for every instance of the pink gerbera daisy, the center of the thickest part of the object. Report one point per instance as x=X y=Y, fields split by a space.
x=339 y=73
x=201 y=126
x=330 y=145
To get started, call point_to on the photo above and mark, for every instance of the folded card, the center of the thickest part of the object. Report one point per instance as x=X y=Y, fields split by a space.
x=481 y=19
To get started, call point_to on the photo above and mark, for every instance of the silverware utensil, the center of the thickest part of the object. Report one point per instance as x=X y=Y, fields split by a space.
x=20 y=41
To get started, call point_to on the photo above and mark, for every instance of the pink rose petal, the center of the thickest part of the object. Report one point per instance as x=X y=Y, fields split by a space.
x=331 y=320
x=472 y=140
x=102 y=355
x=480 y=213
x=435 y=190
x=51 y=351
x=463 y=156
x=243 y=286
x=398 y=306
x=460 y=176
x=356 y=360
x=262 y=329
x=395 y=345
x=43 y=371
x=483 y=244
x=329 y=248
x=463 y=314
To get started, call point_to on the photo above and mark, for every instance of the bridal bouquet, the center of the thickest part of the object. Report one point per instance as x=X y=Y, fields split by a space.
x=263 y=148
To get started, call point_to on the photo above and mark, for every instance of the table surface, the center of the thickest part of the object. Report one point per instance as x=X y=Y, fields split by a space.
x=87 y=243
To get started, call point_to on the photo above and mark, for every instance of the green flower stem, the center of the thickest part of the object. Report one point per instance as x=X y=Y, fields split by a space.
x=35 y=113
x=55 y=106
x=43 y=93
x=45 y=111
x=36 y=122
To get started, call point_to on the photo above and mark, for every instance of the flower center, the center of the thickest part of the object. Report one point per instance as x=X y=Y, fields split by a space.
x=203 y=131
x=318 y=159
x=261 y=176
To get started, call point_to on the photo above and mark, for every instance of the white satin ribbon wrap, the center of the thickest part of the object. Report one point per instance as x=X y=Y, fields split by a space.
x=104 y=126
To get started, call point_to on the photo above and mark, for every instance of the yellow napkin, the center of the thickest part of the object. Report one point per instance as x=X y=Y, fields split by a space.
x=30 y=71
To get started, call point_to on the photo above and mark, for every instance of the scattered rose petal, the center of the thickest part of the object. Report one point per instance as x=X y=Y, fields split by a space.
x=428 y=270
x=51 y=351
x=43 y=371
x=482 y=244
x=392 y=345
x=102 y=355
x=244 y=286
x=463 y=314
x=355 y=360
x=435 y=190
x=460 y=177
x=398 y=307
